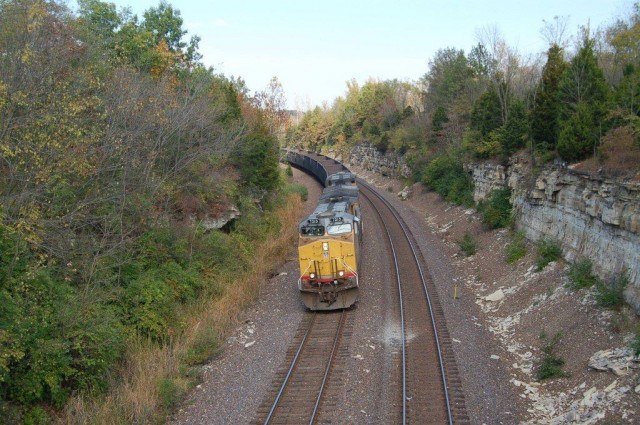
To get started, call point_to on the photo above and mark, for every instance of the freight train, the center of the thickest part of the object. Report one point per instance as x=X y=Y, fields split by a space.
x=330 y=237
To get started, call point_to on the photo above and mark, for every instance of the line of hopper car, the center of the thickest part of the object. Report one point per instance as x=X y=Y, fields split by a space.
x=330 y=237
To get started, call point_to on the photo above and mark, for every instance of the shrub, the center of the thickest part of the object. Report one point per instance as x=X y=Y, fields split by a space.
x=635 y=344
x=445 y=174
x=550 y=364
x=467 y=244
x=548 y=251
x=54 y=341
x=496 y=209
x=516 y=249
x=289 y=171
x=580 y=274
x=169 y=392
x=611 y=295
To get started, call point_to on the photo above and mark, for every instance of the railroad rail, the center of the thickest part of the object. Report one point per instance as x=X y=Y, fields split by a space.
x=296 y=396
x=430 y=387
x=426 y=365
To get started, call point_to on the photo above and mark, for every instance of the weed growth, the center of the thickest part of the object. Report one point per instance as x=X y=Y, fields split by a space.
x=551 y=364
x=580 y=274
x=548 y=251
x=635 y=343
x=467 y=244
x=611 y=295
x=516 y=249
x=496 y=209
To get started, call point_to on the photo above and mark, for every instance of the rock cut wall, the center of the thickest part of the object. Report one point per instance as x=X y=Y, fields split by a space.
x=590 y=216
x=371 y=159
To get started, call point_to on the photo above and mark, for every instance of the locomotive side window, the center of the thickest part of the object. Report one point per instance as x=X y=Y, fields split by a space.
x=312 y=231
x=339 y=229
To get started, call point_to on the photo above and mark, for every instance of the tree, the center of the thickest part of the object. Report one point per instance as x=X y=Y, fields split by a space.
x=624 y=37
x=583 y=105
x=273 y=103
x=486 y=115
x=513 y=135
x=165 y=23
x=545 y=114
x=504 y=65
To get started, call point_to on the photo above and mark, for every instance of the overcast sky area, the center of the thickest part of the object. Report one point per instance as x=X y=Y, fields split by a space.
x=314 y=47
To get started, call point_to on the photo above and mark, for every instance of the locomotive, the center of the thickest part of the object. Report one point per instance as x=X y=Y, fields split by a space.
x=329 y=239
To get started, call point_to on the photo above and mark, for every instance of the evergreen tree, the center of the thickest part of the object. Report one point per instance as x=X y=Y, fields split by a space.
x=544 y=117
x=583 y=96
x=486 y=115
x=513 y=135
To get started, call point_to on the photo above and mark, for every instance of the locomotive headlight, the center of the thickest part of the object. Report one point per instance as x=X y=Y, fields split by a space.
x=325 y=246
x=312 y=275
x=341 y=273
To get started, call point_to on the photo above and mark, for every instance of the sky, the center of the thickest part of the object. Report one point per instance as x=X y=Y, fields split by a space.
x=315 y=47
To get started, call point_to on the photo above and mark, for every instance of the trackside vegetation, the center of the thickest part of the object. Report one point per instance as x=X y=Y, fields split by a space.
x=119 y=153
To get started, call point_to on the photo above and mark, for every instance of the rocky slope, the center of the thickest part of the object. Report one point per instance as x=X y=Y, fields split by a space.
x=590 y=216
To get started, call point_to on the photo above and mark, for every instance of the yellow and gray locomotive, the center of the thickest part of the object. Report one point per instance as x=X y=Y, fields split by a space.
x=329 y=246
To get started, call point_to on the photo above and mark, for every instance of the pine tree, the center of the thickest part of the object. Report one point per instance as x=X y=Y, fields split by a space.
x=583 y=105
x=514 y=132
x=544 y=117
x=486 y=115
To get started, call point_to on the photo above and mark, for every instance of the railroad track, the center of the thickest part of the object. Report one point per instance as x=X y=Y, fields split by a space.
x=430 y=388
x=297 y=392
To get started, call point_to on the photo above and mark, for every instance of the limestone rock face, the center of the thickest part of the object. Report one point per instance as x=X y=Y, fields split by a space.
x=487 y=177
x=590 y=216
x=388 y=164
x=220 y=220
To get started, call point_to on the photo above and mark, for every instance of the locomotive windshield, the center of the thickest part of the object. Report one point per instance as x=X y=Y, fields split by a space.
x=312 y=231
x=339 y=229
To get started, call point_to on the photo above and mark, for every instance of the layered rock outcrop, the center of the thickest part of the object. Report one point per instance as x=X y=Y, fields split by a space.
x=591 y=216
x=371 y=159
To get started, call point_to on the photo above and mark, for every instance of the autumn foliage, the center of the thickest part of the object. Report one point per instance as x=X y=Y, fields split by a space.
x=115 y=142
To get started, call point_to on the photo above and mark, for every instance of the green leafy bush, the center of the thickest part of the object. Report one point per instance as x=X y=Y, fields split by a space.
x=548 y=251
x=551 y=364
x=580 y=274
x=54 y=341
x=516 y=249
x=467 y=244
x=611 y=295
x=445 y=174
x=170 y=393
x=496 y=209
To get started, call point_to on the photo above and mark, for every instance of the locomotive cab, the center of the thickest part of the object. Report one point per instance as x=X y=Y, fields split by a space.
x=328 y=253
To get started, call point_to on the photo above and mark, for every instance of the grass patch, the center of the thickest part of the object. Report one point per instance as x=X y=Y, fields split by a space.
x=548 y=251
x=467 y=244
x=205 y=345
x=496 y=209
x=580 y=274
x=611 y=295
x=516 y=249
x=551 y=364
x=299 y=189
